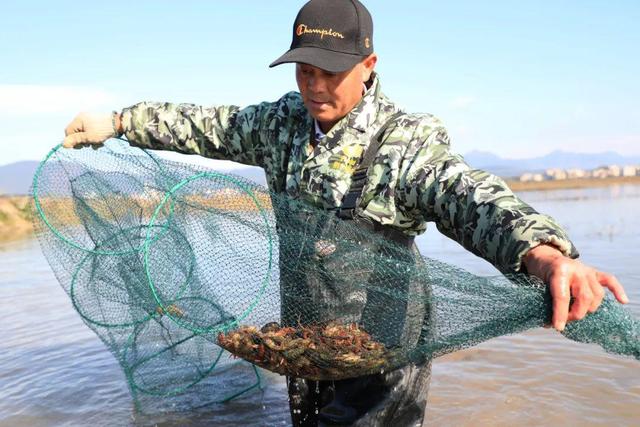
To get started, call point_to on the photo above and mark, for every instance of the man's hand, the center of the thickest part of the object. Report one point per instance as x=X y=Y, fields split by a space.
x=91 y=130
x=567 y=279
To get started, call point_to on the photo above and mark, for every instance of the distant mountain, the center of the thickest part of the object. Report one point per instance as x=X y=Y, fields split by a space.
x=483 y=158
x=556 y=159
x=16 y=178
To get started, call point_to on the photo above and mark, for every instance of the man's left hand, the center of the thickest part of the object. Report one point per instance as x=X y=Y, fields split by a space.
x=576 y=288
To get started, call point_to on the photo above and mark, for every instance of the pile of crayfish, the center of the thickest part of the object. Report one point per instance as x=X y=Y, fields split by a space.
x=318 y=352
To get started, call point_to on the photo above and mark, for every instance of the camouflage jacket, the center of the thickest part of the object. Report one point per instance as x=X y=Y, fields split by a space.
x=414 y=179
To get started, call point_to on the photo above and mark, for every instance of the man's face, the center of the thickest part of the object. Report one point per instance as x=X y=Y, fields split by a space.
x=330 y=96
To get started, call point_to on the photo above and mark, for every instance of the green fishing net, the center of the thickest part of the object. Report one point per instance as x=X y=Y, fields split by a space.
x=192 y=278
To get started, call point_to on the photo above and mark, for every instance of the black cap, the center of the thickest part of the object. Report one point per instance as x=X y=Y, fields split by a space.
x=333 y=35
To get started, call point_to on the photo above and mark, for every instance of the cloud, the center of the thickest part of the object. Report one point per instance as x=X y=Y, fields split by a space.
x=28 y=100
x=462 y=102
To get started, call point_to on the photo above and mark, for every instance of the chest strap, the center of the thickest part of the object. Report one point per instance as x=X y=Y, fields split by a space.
x=350 y=208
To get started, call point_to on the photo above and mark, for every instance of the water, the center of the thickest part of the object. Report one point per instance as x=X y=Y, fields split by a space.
x=54 y=371
x=539 y=377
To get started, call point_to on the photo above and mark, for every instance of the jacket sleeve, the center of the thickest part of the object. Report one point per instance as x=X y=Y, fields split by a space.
x=222 y=132
x=474 y=207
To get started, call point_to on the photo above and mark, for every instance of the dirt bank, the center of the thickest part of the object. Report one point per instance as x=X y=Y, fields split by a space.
x=15 y=211
x=572 y=183
x=15 y=217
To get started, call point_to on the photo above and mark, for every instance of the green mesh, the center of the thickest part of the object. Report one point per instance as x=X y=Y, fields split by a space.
x=170 y=264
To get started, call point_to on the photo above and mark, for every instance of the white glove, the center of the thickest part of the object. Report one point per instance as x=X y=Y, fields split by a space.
x=89 y=130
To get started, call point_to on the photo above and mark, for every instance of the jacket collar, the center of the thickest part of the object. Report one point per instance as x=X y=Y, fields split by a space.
x=363 y=115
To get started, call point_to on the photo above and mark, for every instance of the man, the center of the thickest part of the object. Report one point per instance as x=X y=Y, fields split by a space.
x=312 y=143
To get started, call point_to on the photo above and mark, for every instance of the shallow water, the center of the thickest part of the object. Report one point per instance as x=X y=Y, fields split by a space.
x=539 y=377
x=55 y=371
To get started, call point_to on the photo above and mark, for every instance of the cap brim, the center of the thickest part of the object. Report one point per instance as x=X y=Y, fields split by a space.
x=334 y=62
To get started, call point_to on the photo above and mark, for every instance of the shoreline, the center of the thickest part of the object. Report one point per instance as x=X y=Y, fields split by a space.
x=564 y=184
x=15 y=218
x=15 y=211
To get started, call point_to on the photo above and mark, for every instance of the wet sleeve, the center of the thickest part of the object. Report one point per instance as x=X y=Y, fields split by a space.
x=473 y=207
x=218 y=132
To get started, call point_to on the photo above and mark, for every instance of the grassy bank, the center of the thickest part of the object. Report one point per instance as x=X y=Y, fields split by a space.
x=15 y=217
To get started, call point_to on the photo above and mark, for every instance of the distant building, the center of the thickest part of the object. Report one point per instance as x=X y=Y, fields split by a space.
x=577 y=173
x=556 y=173
x=601 y=172
x=614 y=170
x=526 y=177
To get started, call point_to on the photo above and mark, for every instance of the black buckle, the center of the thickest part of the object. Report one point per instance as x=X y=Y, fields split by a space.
x=350 y=201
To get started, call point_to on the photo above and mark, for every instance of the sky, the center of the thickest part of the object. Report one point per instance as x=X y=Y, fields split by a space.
x=519 y=79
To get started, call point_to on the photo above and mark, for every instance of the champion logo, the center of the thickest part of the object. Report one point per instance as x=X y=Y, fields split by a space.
x=304 y=29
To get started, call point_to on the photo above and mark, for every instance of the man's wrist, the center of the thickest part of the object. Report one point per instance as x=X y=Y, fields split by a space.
x=117 y=124
x=538 y=255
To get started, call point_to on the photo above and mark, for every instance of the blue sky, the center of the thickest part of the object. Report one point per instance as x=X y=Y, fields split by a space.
x=519 y=79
